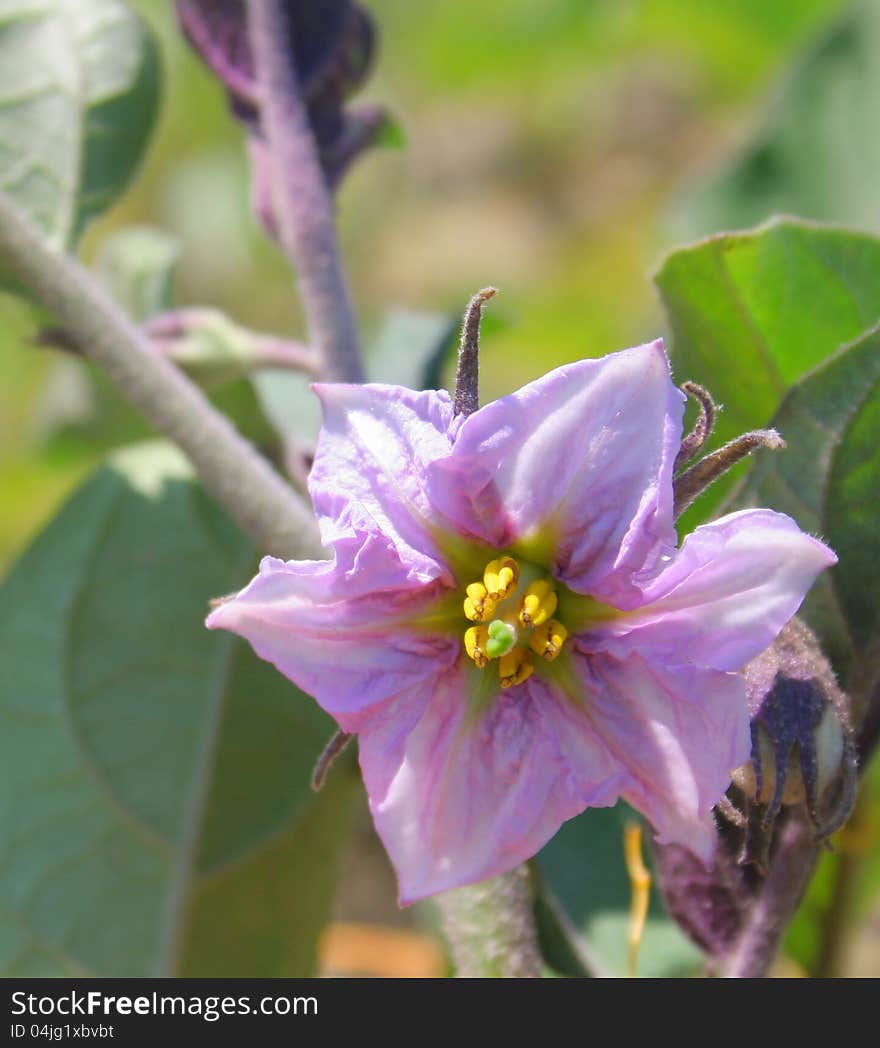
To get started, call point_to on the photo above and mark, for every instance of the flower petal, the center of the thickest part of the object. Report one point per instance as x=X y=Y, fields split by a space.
x=375 y=445
x=724 y=596
x=459 y=795
x=679 y=731
x=583 y=454
x=342 y=629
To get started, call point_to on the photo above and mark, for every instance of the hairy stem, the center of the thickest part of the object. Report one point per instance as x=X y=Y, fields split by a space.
x=302 y=201
x=240 y=479
x=790 y=872
x=491 y=928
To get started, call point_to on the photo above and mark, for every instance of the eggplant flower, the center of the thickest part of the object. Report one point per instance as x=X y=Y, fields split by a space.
x=507 y=623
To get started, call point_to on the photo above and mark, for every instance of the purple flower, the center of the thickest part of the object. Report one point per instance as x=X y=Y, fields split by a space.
x=507 y=623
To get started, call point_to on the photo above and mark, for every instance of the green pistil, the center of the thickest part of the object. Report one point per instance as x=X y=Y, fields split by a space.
x=502 y=638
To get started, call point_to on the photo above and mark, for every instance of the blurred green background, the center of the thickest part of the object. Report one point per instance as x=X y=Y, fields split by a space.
x=554 y=149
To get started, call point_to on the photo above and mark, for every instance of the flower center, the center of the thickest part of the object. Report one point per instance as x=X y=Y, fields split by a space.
x=513 y=611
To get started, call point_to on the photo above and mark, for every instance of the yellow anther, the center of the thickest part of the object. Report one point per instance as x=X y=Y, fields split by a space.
x=478 y=605
x=500 y=577
x=547 y=639
x=515 y=667
x=538 y=604
x=475 y=644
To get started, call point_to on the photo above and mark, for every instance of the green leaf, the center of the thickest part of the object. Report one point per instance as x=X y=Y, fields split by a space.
x=79 y=87
x=752 y=312
x=155 y=810
x=817 y=151
x=585 y=892
x=828 y=480
x=136 y=265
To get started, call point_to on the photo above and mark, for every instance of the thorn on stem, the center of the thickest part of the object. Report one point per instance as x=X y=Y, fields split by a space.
x=467 y=378
x=331 y=751
x=694 y=481
x=703 y=427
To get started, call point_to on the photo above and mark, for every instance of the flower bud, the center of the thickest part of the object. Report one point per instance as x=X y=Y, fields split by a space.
x=802 y=746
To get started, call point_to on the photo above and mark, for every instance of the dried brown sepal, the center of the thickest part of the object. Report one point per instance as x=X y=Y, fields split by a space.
x=693 y=443
x=328 y=757
x=467 y=377
x=690 y=484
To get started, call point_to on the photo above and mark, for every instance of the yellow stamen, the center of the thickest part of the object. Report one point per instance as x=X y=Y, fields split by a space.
x=515 y=667
x=475 y=644
x=500 y=577
x=478 y=605
x=538 y=604
x=547 y=639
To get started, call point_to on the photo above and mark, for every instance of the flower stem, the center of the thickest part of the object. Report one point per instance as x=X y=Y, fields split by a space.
x=790 y=872
x=301 y=197
x=491 y=928
x=231 y=469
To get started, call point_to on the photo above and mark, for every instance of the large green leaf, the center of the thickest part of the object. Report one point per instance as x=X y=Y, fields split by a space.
x=752 y=312
x=829 y=479
x=584 y=901
x=79 y=86
x=818 y=150
x=155 y=811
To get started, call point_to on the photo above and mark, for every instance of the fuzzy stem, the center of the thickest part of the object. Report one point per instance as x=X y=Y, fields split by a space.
x=790 y=872
x=230 y=468
x=491 y=928
x=306 y=225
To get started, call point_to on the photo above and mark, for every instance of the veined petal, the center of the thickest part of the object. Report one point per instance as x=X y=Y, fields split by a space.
x=724 y=596
x=678 y=731
x=459 y=795
x=375 y=446
x=343 y=629
x=583 y=456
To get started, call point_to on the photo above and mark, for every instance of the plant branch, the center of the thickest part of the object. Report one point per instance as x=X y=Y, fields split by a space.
x=491 y=928
x=304 y=208
x=266 y=508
